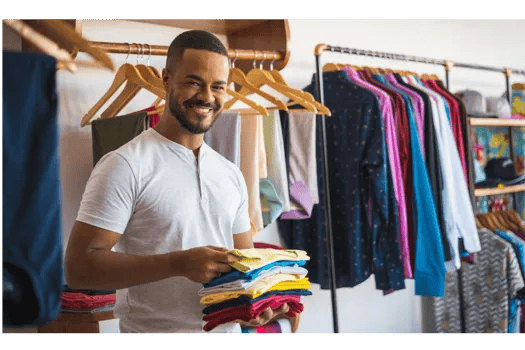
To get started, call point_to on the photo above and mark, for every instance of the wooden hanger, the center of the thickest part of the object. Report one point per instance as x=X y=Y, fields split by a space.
x=330 y=67
x=45 y=44
x=487 y=222
x=237 y=76
x=276 y=75
x=64 y=31
x=132 y=89
x=259 y=77
x=499 y=223
x=478 y=223
x=508 y=221
x=126 y=72
x=516 y=219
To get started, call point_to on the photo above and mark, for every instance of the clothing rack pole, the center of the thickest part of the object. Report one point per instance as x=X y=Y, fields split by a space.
x=327 y=206
x=319 y=49
x=159 y=50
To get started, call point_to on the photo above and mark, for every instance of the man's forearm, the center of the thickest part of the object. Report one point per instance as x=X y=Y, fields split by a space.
x=104 y=269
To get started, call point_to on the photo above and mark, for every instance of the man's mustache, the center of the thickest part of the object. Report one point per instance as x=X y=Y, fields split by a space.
x=201 y=104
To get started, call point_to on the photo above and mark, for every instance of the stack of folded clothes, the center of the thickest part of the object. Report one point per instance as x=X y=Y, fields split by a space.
x=262 y=279
x=87 y=301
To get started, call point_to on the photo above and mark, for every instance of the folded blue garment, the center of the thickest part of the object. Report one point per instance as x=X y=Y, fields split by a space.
x=235 y=275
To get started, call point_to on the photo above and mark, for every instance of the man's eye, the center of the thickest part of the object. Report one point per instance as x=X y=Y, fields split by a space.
x=192 y=83
x=218 y=87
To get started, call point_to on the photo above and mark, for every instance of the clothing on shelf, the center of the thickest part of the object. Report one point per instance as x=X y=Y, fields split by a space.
x=32 y=220
x=84 y=302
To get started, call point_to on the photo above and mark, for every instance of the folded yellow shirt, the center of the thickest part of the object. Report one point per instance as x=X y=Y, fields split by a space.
x=302 y=283
x=252 y=259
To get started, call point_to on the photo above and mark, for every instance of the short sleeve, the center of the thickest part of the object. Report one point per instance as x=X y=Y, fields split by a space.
x=242 y=219
x=109 y=196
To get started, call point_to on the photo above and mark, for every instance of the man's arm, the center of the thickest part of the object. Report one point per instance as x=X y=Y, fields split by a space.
x=245 y=241
x=90 y=263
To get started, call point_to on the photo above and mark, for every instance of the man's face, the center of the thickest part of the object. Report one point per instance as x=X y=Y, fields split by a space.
x=197 y=88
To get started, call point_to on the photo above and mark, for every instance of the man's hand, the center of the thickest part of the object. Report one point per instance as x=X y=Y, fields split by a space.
x=202 y=264
x=266 y=316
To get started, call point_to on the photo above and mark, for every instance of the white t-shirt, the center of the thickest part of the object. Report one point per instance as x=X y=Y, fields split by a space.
x=153 y=192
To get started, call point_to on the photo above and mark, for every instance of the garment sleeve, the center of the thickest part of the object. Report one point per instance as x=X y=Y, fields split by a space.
x=242 y=219
x=384 y=230
x=110 y=193
x=514 y=275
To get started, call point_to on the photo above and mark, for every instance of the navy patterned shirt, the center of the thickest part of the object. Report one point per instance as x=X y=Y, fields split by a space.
x=363 y=206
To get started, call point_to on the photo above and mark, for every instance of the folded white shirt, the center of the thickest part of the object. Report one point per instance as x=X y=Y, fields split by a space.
x=244 y=285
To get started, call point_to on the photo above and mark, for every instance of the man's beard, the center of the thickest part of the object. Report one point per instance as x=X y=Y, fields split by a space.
x=182 y=117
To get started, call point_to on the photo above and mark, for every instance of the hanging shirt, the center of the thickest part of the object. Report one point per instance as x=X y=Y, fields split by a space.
x=275 y=158
x=429 y=269
x=358 y=167
x=432 y=160
x=489 y=284
x=251 y=168
x=303 y=167
x=111 y=133
x=445 y=315
x=456 y=122
x=225 y=136
x=301 y=200
x=271 y=204
x=418 y=109
x=405 y=154
x=32 y=219
x=395 y=166
x=458 y=212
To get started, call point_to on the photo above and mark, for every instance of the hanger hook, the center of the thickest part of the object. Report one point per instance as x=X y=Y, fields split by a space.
x=141 y=53
x=274 y=57
x=254 y=58
x=129 y=51
x=149 y=47
x=264 y=59
x=137 y=58
x=234 y=59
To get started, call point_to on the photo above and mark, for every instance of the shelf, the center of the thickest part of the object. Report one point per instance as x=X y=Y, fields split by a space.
x=217 y=26
x=493 y=191
x=473 y=121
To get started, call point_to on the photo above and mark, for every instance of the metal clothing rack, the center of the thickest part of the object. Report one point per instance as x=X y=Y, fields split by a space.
x=318 y=52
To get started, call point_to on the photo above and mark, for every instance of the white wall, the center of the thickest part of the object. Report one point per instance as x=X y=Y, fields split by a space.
x=361 y=309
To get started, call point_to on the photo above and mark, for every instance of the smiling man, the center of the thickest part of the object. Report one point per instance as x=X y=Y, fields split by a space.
x=160 y=213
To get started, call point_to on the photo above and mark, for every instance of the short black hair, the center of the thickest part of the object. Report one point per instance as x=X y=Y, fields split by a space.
x=194 y=39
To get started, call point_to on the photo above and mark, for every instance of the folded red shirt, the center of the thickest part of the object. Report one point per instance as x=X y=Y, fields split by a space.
x=252 y=311
x=84 y=301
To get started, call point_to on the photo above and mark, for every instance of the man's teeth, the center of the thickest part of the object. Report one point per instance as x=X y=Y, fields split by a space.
x=203 y=110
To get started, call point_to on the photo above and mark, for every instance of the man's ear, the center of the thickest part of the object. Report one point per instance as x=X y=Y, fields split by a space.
x=165 y=77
